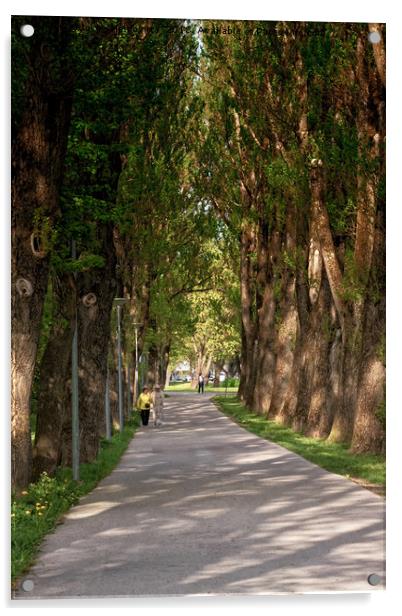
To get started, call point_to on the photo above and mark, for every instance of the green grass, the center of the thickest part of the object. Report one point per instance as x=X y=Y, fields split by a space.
x=333 y=457
x=187 y=387
x=36 y=512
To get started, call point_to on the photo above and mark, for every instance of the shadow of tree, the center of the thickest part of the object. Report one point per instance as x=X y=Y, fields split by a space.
x=202 y=506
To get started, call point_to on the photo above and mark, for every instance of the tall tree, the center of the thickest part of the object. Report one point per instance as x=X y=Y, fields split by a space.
x=41 y=117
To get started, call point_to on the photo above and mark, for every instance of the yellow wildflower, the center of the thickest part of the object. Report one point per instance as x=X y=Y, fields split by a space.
x=24 y=493
x=28 y=512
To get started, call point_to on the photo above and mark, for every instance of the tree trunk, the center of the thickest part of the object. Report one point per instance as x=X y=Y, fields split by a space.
x=206 y=369
x=38 y=153
x=369 y=427
x=54 y=394
x=288 y=410
x=308 y=277
x=286 y=327
x=218 y=367
x=370 y=127
x=96 y=290
x=247 y=374
x=203 y=363
x=284 y=349
x=167 y=377
x=319 y=410
x=335 y=382
x=153 y=364
x=267 y=252
x=265 y=360
x=164 y=362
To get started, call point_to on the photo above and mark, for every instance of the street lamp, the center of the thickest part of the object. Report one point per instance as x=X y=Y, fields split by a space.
x=75 y=437
x=136 y=327
x=108 y=419
x=119 y=302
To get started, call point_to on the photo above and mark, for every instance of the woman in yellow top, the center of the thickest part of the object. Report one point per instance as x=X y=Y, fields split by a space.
x=144 y=405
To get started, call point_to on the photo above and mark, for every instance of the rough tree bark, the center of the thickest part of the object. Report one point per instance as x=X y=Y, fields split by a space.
x=370 y=125
x=369 y=429
x=288 y=410
x=164 y=363
x=287 y=328
x=54 y=394
x=96 y=291
x=268 y=251
x=247 y=373
x=218 y=367
x=38 y=153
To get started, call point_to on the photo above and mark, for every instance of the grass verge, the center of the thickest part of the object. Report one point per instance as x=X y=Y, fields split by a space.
x=367 y=470
x=37 y=511
x=211 y=388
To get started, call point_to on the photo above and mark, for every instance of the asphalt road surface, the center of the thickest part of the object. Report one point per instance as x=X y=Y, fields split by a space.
x=200 y=506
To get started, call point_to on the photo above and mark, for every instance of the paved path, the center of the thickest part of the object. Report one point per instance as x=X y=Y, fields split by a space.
x=201 y=506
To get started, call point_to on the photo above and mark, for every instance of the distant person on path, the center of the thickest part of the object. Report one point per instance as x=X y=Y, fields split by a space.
x=144 y=405
x=157 y=403
x=200 y=384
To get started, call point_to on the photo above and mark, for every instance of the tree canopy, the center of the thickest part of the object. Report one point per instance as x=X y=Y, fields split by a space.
x=228 y=180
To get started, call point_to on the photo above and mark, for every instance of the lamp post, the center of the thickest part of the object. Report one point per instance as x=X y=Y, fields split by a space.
x=119 y=302
x=75 y=428
x=136 y=392
x=107 y=406
x=128 y=389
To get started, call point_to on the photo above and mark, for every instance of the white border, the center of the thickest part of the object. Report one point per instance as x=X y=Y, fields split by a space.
x=308 y=10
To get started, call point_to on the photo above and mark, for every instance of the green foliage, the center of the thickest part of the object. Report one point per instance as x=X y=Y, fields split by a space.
x=354 y=280
x=180 y=146
x=230 y=382
x=290 y=259
x=36 y=512
x=214 y=331
x=43 y=231
x=84 y=262
x=208 y=387
x=47 y=320
x=381 y=350
x=381 y=414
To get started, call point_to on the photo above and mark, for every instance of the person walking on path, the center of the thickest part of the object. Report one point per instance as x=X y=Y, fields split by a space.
x=200 y=384
x=144 y=405
x=157 y=403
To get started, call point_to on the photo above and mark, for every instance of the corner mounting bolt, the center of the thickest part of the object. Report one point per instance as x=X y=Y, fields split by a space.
x=27 y=30
x=373 y=579
x=374 y=37
x=27 y=585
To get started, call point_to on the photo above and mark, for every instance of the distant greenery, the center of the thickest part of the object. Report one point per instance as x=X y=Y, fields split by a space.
x=333 y=457
x=37 y=511
x=208 y=387
x=231 y=382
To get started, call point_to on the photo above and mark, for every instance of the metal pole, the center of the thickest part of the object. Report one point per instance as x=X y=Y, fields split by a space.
x=136 y=392
x=107 y=406
x=74 y=391
x=121 y=419
x=128 y=390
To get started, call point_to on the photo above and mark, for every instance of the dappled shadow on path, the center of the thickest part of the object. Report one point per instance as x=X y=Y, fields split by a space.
x=201 y=506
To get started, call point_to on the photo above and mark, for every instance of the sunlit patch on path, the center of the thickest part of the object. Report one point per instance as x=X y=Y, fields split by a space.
x=201 y=506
